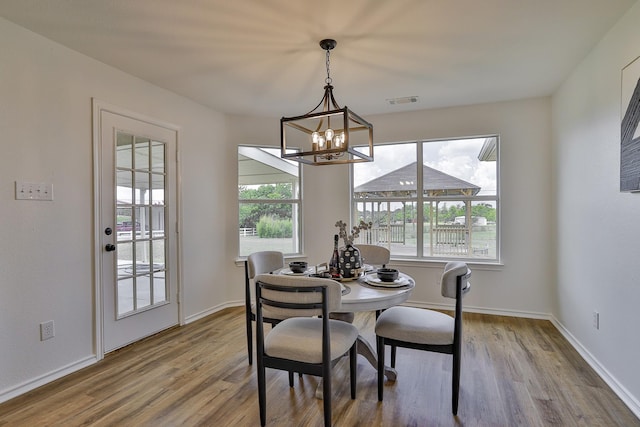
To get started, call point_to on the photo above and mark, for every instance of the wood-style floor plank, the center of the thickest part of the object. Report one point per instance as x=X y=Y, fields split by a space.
x=515 y=372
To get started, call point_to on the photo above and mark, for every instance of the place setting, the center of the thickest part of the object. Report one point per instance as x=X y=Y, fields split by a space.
x=302 y=268
x=386 y=278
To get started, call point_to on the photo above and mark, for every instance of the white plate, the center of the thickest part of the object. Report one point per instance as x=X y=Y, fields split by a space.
x=374 y=280
x=288 y=272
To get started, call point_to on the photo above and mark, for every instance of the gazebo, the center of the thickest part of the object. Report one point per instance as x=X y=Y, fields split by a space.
x=401 y=184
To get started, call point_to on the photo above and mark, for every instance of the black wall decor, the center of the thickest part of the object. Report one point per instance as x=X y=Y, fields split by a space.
x=629 y=131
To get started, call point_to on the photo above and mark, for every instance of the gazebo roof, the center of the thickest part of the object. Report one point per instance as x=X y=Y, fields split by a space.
x=404 y=179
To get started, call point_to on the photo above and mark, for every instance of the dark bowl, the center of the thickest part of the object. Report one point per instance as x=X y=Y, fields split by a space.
x=298 y=266
x=387 y=274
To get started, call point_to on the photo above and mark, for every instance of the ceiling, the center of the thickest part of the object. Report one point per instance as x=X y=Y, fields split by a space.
x=261 y=57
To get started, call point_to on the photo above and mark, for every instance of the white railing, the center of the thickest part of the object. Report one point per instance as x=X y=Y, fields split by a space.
x=248 y=231
x=450 y=239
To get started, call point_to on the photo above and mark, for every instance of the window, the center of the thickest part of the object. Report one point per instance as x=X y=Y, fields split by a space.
x=442 y=207
x=268 y=201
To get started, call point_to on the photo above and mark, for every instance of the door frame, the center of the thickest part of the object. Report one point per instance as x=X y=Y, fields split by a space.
x=97 y=108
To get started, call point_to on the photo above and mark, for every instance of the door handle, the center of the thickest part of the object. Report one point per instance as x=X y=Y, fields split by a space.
x=109 y=247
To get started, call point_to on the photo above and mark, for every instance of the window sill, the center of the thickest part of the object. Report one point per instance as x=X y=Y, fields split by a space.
x=287 y=258
x=427 y=263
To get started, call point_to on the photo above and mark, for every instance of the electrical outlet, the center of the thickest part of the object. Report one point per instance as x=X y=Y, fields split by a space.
x=47 y=330
x=596 y=320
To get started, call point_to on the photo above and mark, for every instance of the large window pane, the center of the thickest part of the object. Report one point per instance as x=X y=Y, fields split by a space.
x=455 y=215
x=269 y=202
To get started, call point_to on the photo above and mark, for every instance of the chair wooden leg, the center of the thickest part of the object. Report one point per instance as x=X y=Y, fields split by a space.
x=326 y=393
x=250 y=340
x=290 y=378
x=455 y=383
x=353 y=368
x=262 y=393
x=393 y=356
x=380 y=350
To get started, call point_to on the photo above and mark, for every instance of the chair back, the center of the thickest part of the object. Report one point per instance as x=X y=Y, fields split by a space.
x=264 y=262
x=453 y=271
x=259 y=263
x=297 y=296
x=374 y=254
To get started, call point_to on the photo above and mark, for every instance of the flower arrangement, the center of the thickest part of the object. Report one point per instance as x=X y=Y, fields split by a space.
x=355 y=231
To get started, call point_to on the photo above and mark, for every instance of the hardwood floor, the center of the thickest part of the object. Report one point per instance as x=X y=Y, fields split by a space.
x=515 y=372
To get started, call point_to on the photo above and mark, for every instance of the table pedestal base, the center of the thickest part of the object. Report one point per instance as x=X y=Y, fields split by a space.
x=365 y=349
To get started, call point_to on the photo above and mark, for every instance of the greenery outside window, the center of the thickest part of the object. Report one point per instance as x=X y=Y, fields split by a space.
x=269 y=201
x=444 y=206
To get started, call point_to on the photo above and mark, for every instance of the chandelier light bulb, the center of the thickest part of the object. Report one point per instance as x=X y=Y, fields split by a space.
x=328 y=134
x=321 y=141
x=315 y=136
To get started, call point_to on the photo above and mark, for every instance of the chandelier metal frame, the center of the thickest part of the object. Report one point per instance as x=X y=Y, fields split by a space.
x=328 y=134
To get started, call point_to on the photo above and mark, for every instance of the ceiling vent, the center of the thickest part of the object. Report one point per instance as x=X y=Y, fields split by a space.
x=404 y=100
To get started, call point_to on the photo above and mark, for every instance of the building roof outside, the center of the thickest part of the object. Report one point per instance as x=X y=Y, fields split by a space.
x=404 y=180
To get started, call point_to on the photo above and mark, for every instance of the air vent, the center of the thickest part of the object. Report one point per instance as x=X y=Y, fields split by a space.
x=404 y=100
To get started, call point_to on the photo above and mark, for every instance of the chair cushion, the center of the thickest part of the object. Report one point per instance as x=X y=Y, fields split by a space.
x=416 y=325
x=300 y=339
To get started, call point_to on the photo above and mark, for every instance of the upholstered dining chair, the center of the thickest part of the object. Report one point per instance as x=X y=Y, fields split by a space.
x=301 y=343
x=258 y=263
x=374 y=255
x=377 y=256
x=427 y=330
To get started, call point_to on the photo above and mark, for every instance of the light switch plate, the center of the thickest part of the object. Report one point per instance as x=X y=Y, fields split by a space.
x=34 y=191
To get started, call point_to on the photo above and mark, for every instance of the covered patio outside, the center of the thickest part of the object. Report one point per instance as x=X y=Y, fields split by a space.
x=375 y=201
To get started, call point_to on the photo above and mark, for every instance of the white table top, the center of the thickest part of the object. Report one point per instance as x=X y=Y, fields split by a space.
x=364 y=297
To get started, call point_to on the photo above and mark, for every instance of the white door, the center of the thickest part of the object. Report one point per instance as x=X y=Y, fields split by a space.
x=137 y=228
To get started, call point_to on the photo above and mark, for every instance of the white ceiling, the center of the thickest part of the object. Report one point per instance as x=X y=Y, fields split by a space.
x=261 y=57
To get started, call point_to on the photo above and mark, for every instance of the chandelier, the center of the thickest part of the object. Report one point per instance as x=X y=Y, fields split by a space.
x=328 y=134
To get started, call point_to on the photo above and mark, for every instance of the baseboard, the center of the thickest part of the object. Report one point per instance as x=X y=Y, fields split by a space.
x=484 y=310
x=212 y=310
x=46 y=378
x=618 y=389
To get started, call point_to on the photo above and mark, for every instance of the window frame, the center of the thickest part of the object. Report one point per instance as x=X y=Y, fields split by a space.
x=420 y=199
x=297 y=234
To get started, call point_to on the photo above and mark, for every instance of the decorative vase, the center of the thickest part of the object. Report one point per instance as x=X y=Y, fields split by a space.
x=349 y=263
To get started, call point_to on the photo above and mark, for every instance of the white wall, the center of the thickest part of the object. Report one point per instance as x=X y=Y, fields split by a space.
x=46 y=249
x=597 y=226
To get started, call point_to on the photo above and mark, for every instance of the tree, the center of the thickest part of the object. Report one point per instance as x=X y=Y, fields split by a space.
x=485 y=210
x=250 y=213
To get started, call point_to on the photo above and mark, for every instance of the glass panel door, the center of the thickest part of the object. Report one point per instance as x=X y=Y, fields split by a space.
x=138 y=260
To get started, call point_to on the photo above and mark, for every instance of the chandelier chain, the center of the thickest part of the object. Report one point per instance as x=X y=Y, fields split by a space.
x=328 y=79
